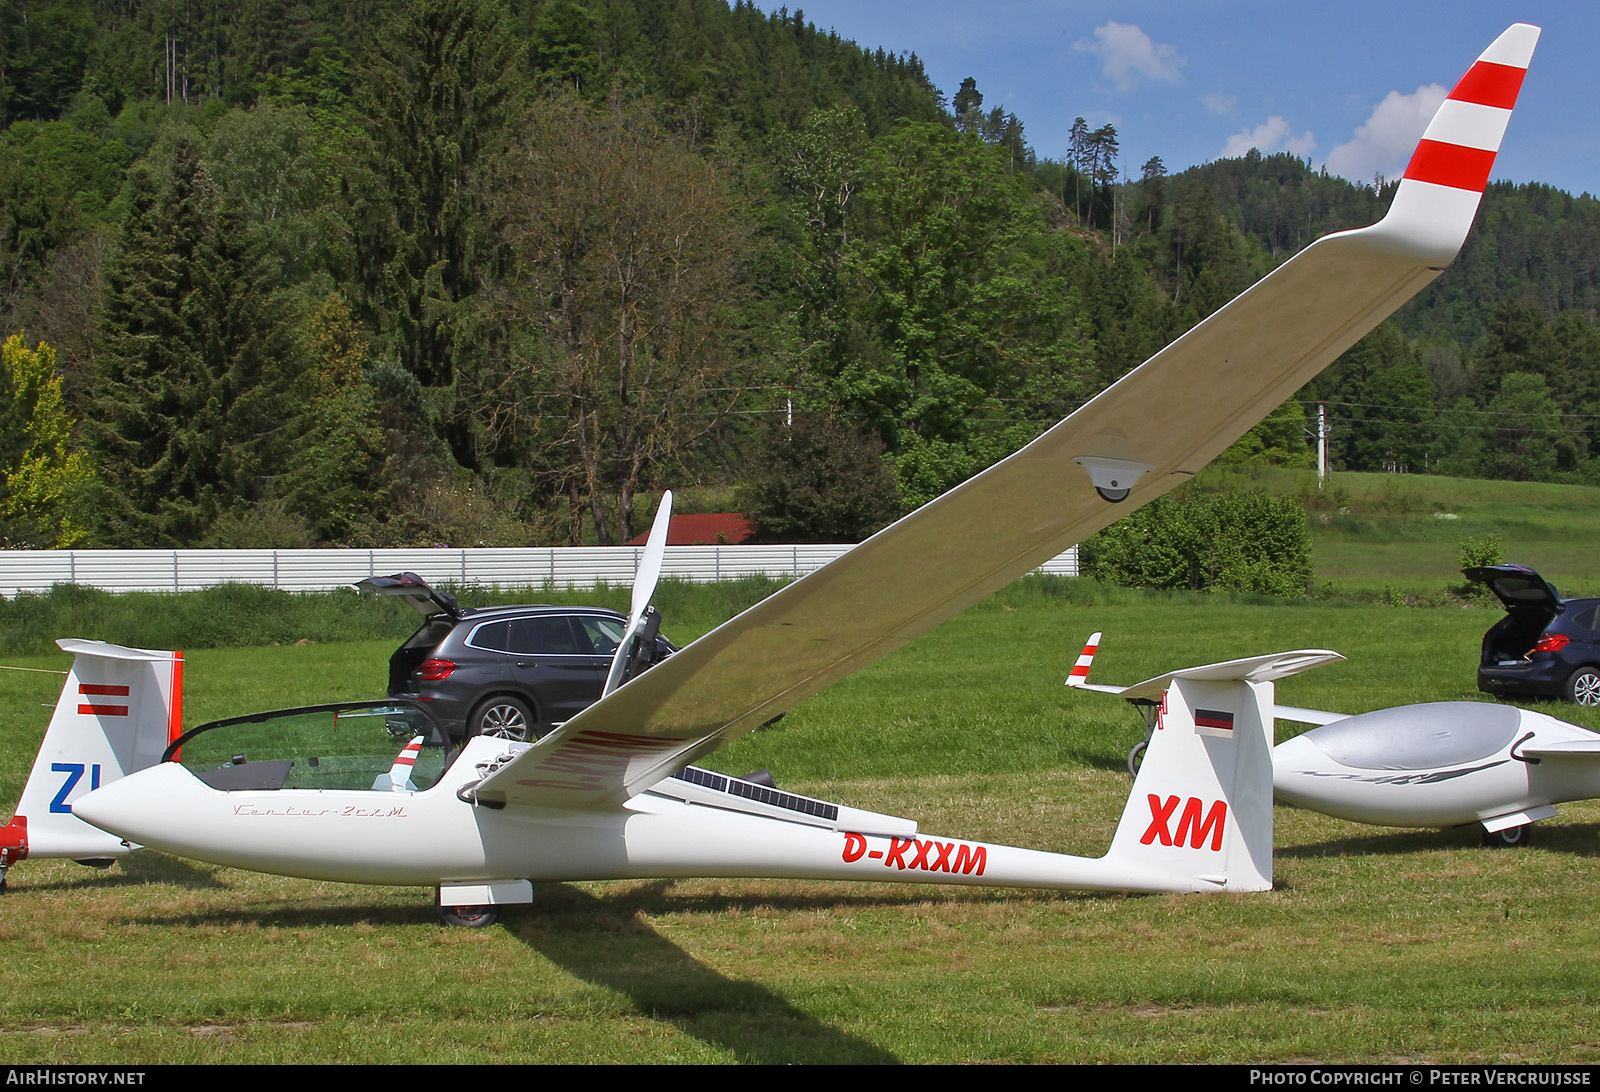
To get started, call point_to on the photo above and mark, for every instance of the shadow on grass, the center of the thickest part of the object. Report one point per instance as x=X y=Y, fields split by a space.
x=1577 y=839
x=136 y=871
x=318 y=915
x=605 y=941
x=1072 y=758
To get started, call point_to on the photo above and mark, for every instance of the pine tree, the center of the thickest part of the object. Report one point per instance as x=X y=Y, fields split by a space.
x=438 y=102
x=195 y=363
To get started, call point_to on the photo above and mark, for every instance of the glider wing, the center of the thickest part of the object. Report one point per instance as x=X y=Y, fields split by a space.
x=1139 y=438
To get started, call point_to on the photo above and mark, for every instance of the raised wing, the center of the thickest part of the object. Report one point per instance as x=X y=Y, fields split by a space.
x=1149 y=431
x=644 y=589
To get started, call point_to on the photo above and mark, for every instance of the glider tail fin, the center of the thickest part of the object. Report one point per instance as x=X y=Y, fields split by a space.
x=1201 y=806
x=1200 y=814
x=117 y=713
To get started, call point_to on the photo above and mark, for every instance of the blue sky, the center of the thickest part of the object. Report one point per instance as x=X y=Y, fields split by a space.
x=1350 y=84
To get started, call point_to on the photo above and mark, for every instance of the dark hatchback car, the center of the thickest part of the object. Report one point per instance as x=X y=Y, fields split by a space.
x=510 y=671
x=1545 y=645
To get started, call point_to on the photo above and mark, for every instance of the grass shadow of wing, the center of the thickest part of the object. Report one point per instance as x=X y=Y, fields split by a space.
x=605 y=941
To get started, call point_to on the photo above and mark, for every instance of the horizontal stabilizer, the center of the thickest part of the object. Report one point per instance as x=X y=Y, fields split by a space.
x=1255 y=669
x=1576 y=748
x=1306 y=716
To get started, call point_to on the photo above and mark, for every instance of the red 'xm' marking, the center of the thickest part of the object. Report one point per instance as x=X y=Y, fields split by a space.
x=1191 y=825
x=1453 y=165
x=106 y=689
x=1490 y=84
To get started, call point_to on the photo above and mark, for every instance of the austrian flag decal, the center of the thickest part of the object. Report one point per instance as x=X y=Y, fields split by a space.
x=94 y=702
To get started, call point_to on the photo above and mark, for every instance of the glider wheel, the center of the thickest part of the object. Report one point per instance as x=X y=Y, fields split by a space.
x=1136 y=757
x=1509 y=838
x=469 y=917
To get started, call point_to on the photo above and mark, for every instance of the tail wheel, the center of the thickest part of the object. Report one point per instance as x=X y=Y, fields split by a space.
x=1136 y=757
x=1509 y=838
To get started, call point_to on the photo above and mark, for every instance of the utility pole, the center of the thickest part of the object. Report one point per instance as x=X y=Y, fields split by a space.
x=1322 y=445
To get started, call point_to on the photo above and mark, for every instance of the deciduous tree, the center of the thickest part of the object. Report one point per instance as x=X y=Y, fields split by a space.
x=627 y=278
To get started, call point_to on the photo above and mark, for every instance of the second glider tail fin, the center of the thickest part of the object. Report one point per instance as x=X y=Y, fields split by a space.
x=117 y=713
x=1201 y=808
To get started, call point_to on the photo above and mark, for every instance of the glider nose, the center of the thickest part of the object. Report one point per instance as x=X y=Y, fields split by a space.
x=118 y=807
x=1292 y=781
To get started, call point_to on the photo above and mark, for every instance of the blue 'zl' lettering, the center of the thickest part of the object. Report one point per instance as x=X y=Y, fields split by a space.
x=74 y=772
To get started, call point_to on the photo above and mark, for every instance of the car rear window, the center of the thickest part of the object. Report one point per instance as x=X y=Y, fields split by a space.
x=430 y=633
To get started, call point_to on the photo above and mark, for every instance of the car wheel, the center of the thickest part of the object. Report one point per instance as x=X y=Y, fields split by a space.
x=502 y=717
x=1509 y=838
x=469 y=917
x=1583 y=686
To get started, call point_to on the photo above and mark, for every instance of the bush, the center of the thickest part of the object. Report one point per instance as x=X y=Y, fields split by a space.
x=1215 y=541
x=819 y=480
x=1475 y=554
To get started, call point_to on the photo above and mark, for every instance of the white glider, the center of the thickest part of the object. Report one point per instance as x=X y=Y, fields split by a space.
x=1437 y=764
x=602 y=796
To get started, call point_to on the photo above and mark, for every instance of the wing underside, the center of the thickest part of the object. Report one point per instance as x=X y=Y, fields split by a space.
x=1160 y=424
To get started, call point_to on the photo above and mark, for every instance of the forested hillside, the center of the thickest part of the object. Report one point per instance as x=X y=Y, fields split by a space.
x=416 y=271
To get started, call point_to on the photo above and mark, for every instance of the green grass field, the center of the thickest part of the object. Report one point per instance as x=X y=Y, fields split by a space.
x=1377 y=945
x=1402 y=532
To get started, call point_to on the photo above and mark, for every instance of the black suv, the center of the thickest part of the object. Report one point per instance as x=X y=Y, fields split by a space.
x=510 y=671
x=1545 y=645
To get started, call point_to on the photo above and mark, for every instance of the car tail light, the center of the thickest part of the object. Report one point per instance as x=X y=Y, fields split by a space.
x=1552 y=642
x=434 y=670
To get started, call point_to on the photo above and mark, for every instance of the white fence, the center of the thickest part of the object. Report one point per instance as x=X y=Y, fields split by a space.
x=315 y=570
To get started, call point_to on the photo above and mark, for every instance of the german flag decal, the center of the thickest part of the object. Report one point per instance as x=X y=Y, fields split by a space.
x=1213 y=718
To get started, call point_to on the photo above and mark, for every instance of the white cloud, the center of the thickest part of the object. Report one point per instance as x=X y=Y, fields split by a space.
x=1219 y=103
x=1384 y=144
x=1126 y=53
x=1272 y=135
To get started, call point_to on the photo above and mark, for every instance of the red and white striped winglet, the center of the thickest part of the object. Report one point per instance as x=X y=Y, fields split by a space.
x=400 y=772
x=1459 y=147
x=1439 y=193
x=1079 y=675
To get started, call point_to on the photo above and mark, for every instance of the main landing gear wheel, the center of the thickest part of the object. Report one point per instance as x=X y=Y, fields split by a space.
x=1136 y=757
x=1583 y=687
x=1509 y=838
x=504 y=718
x=469 y=917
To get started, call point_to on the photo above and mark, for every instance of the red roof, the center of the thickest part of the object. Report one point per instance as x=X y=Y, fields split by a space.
x=704 y=529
